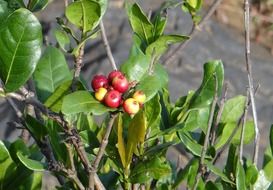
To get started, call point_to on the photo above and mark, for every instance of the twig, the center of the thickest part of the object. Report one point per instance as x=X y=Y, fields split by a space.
x=206 y=143
x=101 y=149
x=193 y=32
x=243 y=128
x=219 y=114
x=78 y=67
x=250 y=80
x=107 y=46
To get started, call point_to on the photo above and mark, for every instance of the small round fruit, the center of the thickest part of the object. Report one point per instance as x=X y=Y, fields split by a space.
x=112 y=99
x=131 y=106
x=99 y=81
x=113 y=74
x=120 y=83
x=139 y=96
x=100 y=93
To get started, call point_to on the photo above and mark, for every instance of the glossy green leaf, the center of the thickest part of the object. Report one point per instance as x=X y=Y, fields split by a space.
x=151 y=84
x=4 y=11
x=37 y=129
x=20 y=47
x=85 y=122
x=159 y=21
x=213 y=70
x=195 y=4
x=251 y=175
x=215 y=186
x=197 y=118
x=84 y=14
x=262 y=182
x=103 y=5
x=218 y=172
x=18 y=146
x=141 y=24
x=31 y=164
x=120 y=144
x=55 y=101
x=51 y=71
x=89 y=139
x=193 y=170
x=136 y=66
x=240 y=177
x=268 y=170
x=146 y=170
x=7 y=166
x=136 y=134
x=83 y=101
x=249 y=134
x=62 y=38
x=233 y=109
x=158 y=47
x=153 y=113
x=226 y=133
x=156 y=150
x=37 y=5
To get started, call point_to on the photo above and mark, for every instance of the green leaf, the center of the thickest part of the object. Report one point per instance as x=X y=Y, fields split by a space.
x=151 y=169
x=136 y=66
x=7 y=166
x=197 y=118
x=37 y=5
x=16 y=4
x=251 y=175
x=204 y=95
x=249 y=133
x=31 y=164
x=83 y=101
x=62 y=38
x=195 y=4
x=240 y=176
x=37 y=129
x=159 y=21
x=233 y=109
x=158 y=47
x=4 y=11
x=140 y=24
x=262 y=182
x=55 y=101
x=218 y=172
x=85 y=122
x=103 y=6
x=136 y=135
x=193 y=169
x=20 y=47
x=268 y=170
x=153 y=113
x=51 y=71
x=226 y=133
x=84 y=14
x=121 y=145
x=151 y=84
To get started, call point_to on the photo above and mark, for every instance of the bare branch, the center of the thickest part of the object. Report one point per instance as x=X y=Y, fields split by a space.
x=250 y=80
x=78 y=67
x=107 y=46
x=206 y=143
x=192 y=33
x=243 y=128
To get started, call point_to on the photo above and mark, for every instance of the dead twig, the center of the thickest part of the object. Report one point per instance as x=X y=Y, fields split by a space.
x=250 y=80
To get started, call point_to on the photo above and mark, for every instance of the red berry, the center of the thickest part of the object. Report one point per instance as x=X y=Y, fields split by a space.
x=120 y=83
x=99 y=81
x=112 y=99
x=131 y=106
x=113 y=74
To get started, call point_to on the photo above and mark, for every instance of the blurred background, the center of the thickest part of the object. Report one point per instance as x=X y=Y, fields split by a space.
x=222 y=37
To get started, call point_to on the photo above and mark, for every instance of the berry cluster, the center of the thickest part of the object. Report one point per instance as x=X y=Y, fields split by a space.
x=111 y=92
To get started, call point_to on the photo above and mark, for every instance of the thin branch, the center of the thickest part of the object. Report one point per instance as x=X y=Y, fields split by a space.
x=206 y=143
x=219 y=114
x=250 y=80
x=193 y=32
x=78 y=66
x=243 y=128
x=102 y=149
x=107 y=46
